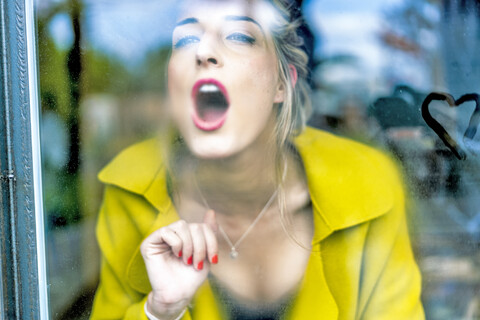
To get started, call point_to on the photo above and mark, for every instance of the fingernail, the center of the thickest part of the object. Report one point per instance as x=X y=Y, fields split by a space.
x=180 y=253
x=190 y=260
x=215 y=259
x=200 y=265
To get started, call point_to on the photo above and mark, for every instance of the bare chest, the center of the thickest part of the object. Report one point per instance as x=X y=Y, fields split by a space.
x=269 y=265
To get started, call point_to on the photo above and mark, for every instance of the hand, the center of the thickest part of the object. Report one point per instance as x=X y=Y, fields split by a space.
x=177 y=258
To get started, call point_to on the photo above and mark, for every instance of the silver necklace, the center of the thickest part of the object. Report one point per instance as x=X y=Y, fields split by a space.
x=234 y=246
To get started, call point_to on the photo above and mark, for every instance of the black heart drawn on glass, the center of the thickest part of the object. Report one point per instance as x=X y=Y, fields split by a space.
x=440 y=131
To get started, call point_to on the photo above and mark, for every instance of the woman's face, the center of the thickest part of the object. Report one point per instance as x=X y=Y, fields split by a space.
x=223 y=76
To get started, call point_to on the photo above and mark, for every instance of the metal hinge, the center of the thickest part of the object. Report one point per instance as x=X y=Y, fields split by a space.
x=8 y=176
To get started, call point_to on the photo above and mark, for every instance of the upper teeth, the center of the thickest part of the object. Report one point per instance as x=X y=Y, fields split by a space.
x=209 y=88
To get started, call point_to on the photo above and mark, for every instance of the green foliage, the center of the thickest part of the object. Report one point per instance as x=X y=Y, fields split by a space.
x=54 y=86
x=103 y=73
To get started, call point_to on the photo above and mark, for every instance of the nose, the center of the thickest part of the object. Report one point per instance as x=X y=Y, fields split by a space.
x=208 y=54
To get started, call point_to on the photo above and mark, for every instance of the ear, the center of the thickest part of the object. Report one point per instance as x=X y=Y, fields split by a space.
x=280 y=96
x=293 y=74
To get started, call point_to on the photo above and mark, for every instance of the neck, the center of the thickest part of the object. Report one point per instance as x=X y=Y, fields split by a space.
x=244 y=181
x=240 y=184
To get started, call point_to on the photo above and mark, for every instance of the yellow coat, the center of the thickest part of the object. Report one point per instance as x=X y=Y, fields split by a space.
x=361 y=265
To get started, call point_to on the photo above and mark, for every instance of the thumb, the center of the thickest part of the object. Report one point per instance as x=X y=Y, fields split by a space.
x=210 y=219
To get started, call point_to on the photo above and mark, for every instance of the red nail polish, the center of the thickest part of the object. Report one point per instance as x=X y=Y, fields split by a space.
x=180 y=253
x=200 y=265
x=215 y=259
x=190 y=260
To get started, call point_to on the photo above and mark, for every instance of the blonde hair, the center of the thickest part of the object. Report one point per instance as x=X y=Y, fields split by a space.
x=294 y=111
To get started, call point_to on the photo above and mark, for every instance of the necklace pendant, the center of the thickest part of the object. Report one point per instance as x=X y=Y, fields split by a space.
x=233 y=253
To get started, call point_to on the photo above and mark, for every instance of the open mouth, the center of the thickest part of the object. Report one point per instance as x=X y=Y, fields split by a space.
x=211 y=104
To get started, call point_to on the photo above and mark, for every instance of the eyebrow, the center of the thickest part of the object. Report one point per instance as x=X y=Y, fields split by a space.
x=186 y=21
x=243 y=18
x=228 y=18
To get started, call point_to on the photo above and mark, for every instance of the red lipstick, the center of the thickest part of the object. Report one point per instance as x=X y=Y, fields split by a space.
x=211 y=104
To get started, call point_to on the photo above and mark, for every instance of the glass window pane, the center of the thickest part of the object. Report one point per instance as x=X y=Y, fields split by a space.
x=101 y=75
x=372 y=65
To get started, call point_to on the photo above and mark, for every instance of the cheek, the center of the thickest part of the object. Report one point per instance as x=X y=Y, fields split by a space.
x=263 y=80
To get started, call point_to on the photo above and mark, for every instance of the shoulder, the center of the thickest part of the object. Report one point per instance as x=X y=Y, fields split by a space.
x=135 y=167
x=333 y=147
x=349 y=182
x=343 y=156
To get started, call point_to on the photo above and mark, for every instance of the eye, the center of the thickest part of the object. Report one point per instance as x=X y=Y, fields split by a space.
x=184 y=41
x=240 y=37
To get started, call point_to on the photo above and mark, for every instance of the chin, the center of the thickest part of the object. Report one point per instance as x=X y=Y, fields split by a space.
x=212 y=148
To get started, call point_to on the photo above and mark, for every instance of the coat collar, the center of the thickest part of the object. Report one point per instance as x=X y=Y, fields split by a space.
x=345 y=181
x=140 y=169
x=344 y=178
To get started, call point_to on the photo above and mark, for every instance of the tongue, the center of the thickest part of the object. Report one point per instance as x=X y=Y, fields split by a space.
x=211 y=106
x=212 y=114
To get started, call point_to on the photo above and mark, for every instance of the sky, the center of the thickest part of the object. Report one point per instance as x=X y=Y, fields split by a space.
x=124 y=28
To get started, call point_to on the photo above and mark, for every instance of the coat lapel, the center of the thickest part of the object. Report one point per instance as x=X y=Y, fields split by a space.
x=314 y=299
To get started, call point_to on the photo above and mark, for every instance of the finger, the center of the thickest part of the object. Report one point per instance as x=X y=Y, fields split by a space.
x=211 y=244
x=172 y=240
x=210 y=219
x=183 y=231
x=161 y=241
x=199 y=246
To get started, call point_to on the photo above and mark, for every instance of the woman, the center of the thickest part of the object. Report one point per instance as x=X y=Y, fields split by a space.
x=246 y=214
